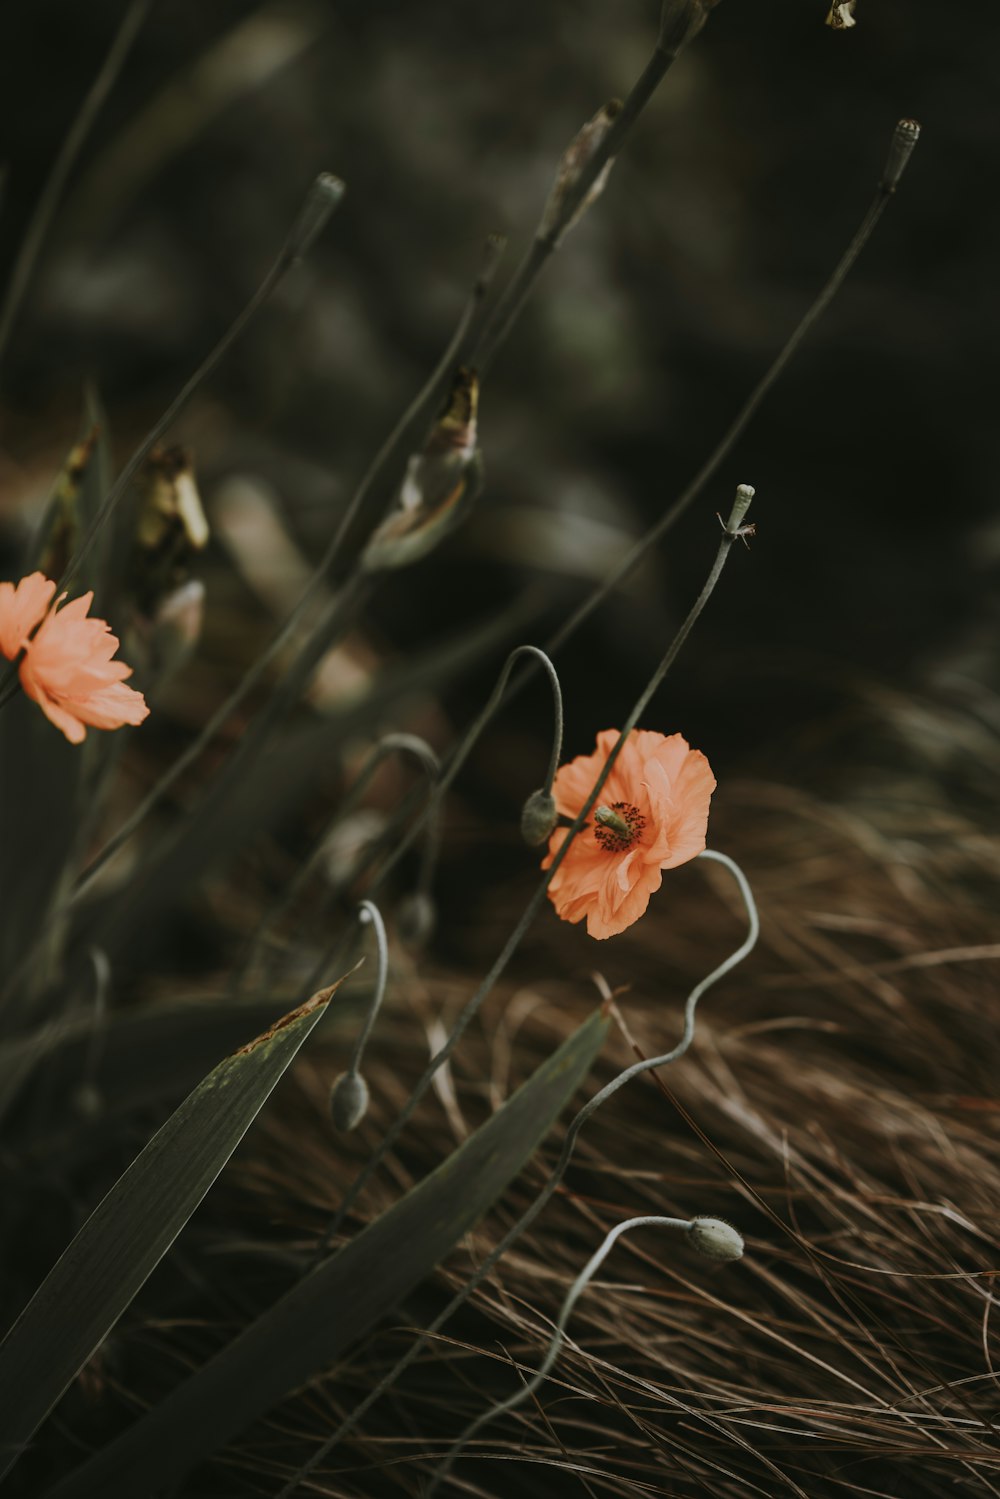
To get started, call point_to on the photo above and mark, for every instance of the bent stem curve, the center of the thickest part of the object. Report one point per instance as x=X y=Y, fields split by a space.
x=573 y=1295
x=525 y=1221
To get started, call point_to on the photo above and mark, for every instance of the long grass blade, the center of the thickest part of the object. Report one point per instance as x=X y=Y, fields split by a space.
x=344 y=1297
x=128 y=1234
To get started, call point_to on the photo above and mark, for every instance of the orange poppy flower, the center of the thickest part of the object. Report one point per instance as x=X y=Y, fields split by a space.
x=67 y=667
x=652 y=815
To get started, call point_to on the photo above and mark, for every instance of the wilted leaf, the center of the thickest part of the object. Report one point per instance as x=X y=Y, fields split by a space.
x=440 y=485
x=128 y=1234
x=315 y=1323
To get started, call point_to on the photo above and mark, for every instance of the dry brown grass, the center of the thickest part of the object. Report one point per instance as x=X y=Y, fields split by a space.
x=838 y=1105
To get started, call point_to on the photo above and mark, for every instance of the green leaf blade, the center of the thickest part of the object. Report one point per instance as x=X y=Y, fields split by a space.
x=310 y=1327
x=131 y=1230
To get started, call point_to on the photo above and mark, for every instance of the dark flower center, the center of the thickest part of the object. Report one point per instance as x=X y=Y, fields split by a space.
x=618 y=827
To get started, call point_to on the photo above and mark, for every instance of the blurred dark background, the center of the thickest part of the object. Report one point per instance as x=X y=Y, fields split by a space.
x=878 y=543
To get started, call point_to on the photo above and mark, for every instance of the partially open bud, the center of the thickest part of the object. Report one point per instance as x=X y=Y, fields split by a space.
x=579 y=152
x=538 y=817
x=171 y=504
x=716 y=1239
x=441 y=482
x=415 y=918
x=348 y=1101
x=841 y=16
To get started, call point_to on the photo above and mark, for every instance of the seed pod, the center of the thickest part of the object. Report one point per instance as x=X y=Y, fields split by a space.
x=348 y=1101
x=538 y=817
x=716 y=1239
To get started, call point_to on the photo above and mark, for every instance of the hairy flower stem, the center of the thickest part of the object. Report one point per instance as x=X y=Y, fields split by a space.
x=544 y=1197
x=534 y=905
x=48 y=202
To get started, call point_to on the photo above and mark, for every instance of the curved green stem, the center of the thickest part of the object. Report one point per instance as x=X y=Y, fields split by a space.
x=525 y=1221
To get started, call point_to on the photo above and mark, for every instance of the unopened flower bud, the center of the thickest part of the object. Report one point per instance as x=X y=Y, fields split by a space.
x=538 y=817
x=416 y=918
x=716 y=1239
x=348 y=1101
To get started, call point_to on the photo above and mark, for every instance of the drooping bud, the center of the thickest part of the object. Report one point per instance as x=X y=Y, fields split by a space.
x=538 y=817
x=554 y=222
x=348 y=1101
x=416 y=918
x=716 y=1239
x=441 y=482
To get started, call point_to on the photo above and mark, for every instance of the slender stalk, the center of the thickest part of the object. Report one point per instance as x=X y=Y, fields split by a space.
x=323 y=198
x=547 y=236
x=489 y=340
x=41 y=219
x=534 y=905
x=369 y=914
x=628 y=564
x=901 y=146
x=494 y=332
x=544 y=1197
x=573 y=1295
x=284 y=636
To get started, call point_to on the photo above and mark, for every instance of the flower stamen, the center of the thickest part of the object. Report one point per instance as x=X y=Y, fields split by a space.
x=619 y=826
